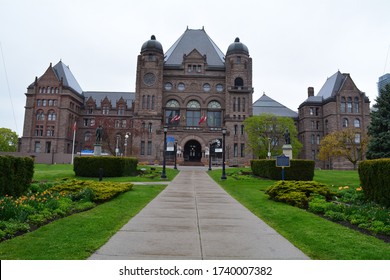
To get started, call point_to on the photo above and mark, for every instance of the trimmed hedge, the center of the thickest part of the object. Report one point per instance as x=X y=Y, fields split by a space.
x=111 y=166
x=16 y=174
x=298 y=193
x=375 y=179
x=299 y=170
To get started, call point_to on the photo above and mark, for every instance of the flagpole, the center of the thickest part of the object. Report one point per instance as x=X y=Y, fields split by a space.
x=74 y=138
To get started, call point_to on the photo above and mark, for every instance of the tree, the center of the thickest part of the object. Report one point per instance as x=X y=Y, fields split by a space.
x=379 y=128
x=348 y=143
x=266 y=131
x=8 y=140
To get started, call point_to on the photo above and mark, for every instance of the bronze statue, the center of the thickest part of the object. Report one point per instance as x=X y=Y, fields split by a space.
x=287 y=137
x=99 y=134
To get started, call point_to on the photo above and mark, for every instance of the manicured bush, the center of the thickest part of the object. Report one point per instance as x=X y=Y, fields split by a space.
x=16 y=174
x=105 y=166
x=299 y=170
x=298 y=193
x=97 y=191
x=375 y=179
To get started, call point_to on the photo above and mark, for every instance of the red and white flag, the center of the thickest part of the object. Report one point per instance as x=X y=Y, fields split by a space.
x=202 y=120
x=175 y=118
x=75 y=126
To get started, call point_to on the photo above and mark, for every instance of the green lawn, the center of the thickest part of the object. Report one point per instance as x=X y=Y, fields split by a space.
x=315 y=236
x=79 y=235
x=52 y=172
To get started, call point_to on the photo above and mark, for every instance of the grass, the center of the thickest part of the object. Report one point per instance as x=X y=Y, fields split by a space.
x=315 y=236
x=52 y=172
x=79 y=235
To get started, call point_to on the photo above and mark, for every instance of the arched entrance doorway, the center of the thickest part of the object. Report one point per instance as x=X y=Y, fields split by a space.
x=192 y=151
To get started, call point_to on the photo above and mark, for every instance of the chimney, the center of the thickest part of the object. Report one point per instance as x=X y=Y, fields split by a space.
x=310 y=91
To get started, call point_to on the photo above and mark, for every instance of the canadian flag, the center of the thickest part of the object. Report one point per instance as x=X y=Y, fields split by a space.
x=175 y=118
x=75 y=126
x=202 y=120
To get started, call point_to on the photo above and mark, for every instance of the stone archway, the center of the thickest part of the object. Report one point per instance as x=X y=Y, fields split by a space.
x=192 y=151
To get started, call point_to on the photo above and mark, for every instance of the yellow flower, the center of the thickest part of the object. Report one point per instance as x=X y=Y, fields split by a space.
x=359 y=189
x=346 y=187
x=340 y=188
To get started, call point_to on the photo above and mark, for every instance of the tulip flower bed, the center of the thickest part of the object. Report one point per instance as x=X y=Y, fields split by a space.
x=49 y=201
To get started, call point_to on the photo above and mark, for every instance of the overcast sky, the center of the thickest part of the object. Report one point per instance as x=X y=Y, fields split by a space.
x=293 y=44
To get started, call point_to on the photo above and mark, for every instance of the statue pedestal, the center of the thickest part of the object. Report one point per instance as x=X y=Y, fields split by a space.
x=97 y=150
x=287 y=150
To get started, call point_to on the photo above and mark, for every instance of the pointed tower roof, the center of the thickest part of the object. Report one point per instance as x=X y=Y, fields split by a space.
x=63 y=72
x=195 y=39
x=332 y=85
x=267 y=105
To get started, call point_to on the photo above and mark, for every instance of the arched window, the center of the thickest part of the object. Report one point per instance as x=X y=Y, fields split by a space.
x=345 y=122
x=143 y=101
x=40 y=116
x=342 y=105
x=356 y=103
x=356 y=123
x=51 y=116
x=234 y=104
x=214 y=114
x=349 y=105
x=193 y=113
x=87 y=136
x=172 y=112
x=238 y=82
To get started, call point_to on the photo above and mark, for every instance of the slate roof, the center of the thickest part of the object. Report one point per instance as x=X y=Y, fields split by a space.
x=266 y=105
x=195 y=39
x=332 y=85
x=63 y=71
x=99 y=96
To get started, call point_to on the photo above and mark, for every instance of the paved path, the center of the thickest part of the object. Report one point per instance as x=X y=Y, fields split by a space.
x=194 y=218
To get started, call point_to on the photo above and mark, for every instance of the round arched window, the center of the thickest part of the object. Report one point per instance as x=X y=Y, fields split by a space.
x=193 y=104
x=172 y=104
x=214 y=105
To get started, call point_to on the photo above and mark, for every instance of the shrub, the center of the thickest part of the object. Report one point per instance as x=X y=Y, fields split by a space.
x=300 y=170
x=16 y=174
x=375 y=179
x=101 y=191
x=298 y=193
x=109 y=166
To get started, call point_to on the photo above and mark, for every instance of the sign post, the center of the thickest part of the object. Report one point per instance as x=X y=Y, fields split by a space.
x=282 y=161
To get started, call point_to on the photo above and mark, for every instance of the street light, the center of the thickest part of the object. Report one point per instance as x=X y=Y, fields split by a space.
x=117 y=146
x=126 y=139
x=210 y=158
x=269 y=148
x=175 y=151
x=223 y=177
x=163 y=174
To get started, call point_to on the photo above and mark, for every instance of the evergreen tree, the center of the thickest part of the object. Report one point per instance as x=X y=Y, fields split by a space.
x=379 y=128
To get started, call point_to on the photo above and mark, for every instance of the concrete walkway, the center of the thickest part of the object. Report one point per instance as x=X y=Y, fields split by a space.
x=194 y=218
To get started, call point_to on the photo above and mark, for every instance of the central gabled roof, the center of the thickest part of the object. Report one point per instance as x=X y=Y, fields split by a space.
x=195 y=39
x=266 y=105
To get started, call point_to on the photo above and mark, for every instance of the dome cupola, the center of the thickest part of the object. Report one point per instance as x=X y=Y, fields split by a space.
x=152 y=45
x=237 y=48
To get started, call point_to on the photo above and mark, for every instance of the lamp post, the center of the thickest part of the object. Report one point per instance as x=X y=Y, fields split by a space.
x=175 y=158
x=223 y=177
x=210 y=158
x=269 y=148
x=126 y=139
x=163 y=174
x=117 y=146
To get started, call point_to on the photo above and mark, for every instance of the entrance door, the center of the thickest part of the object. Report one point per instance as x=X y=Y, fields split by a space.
x=192 y=151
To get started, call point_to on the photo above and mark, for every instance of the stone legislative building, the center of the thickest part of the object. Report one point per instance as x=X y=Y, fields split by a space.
x=193 y=90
